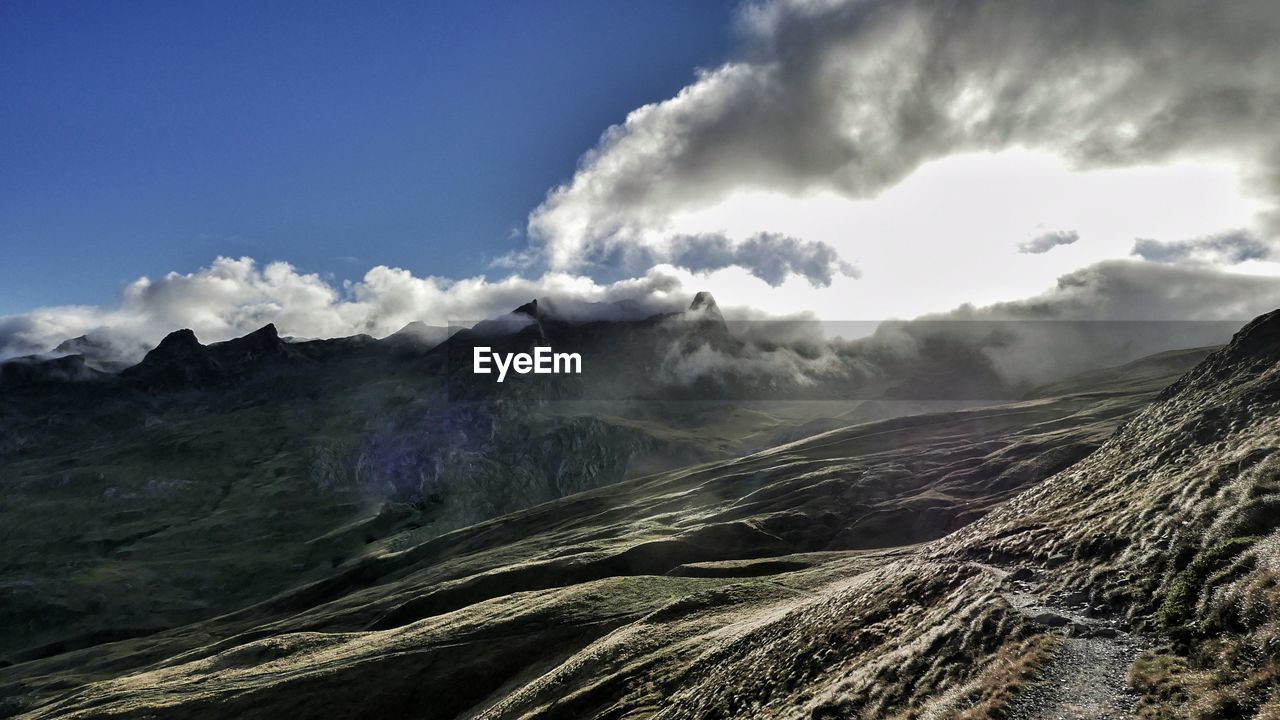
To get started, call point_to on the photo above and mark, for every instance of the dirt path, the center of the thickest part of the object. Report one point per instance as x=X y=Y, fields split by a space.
x=1087 y=678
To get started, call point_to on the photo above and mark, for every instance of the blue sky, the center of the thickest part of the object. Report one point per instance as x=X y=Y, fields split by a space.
x=142 y=137
x=849 y=159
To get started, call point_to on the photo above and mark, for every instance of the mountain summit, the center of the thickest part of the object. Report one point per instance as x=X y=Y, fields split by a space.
x=530 y=308
x=705 y=304
x=181 y=361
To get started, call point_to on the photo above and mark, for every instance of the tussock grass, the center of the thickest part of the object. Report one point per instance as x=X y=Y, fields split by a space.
x=1179 y=602
x=1012 y=669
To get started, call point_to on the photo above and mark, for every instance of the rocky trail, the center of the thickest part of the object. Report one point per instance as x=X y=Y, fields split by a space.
x=1087 y=677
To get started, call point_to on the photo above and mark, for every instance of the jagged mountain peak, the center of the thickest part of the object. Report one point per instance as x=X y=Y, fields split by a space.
x=184 y=338
x=181 y=361
x=704 y=300
x=413 y=327
x=68 y=345
x=267 y=334
x=417 y=330
x=264 y=339
x=266 y=331
x=100 y=351
x=705 y=308
x=178 y=361
x=530 y=308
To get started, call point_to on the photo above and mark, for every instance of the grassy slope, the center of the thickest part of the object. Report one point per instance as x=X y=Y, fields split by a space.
x=685 y=582
x=1175 y=521
x=125 y=512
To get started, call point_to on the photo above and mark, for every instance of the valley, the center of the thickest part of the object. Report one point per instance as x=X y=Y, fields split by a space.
x=912 y=566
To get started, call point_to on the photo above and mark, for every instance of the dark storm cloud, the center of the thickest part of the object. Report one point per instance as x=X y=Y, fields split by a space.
x=768 y=256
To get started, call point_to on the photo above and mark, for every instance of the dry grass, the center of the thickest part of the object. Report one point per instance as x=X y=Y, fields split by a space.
x=1166 y=684
x=1013 y=668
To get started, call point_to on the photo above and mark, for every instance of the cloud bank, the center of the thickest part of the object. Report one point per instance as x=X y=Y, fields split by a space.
x=852 y=96
x=1129 y=308
x=768 y=256
x=1102 y=315
x=1132 y=290
x=231 y=297
x=1113 y=312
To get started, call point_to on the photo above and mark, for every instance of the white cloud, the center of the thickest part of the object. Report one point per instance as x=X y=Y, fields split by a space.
x=1158 y=306
x=1045 y=242
x=847 y=99
x=947 y=234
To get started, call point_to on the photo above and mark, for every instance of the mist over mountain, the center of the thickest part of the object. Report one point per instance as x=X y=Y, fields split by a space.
x=998 y=351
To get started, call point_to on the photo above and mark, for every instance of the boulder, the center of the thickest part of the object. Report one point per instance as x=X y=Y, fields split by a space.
x=1049 y=619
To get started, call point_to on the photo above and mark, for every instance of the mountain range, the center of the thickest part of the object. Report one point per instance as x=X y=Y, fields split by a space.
x=365 y=528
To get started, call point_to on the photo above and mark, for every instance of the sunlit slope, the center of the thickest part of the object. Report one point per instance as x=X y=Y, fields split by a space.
x=1174 y=521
